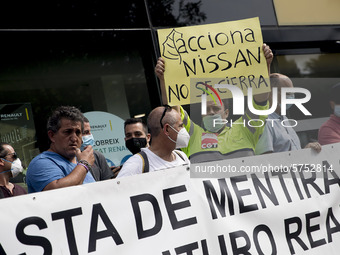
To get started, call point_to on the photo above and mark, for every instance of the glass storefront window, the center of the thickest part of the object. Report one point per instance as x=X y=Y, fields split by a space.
x=165 y=13
x=73 y=14
x=317 y=72
x=94 y=71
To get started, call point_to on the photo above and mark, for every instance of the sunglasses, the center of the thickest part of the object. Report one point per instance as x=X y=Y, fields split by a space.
x=166 y=107
x=14 y=155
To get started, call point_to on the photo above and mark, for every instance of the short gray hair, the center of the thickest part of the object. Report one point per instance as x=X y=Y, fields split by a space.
x=64 y=112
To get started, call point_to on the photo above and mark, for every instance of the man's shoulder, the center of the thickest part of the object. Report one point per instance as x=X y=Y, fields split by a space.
x=48 y=160
x=137 y=159
x=147 y=151
x=274 y=115
x=98 y=154
x=47 y=155
x=134 y=165
x=181 y=154
x=275 y=123
x=39 y=157
x=182 y=158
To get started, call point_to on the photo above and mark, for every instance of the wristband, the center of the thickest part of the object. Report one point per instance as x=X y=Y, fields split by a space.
x=85 y=164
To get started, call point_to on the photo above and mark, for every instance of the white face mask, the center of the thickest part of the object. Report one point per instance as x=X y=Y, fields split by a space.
x=337 y=110
x=182 y=138
x=208 y=123
x=16 y=167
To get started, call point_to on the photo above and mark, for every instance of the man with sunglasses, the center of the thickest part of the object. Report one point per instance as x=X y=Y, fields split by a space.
x=10 y=167
x=167 y=133
x=63 y=164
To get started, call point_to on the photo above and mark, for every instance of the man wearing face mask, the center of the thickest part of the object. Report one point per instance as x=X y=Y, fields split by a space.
x=136 y=138
x=276 y=137
x=136 y=135
x=167 y=132
x=10 y=166
x=100 y=170
x=218 y=142
x=330 y=130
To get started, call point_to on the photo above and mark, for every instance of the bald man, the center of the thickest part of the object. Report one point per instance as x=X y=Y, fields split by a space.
x=167 y=132
x=276 y=137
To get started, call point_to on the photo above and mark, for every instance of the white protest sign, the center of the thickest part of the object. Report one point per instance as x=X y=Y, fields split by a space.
x=167 y=212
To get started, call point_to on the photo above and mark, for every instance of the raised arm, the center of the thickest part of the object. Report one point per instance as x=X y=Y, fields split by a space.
x=259 y=98
x=268 y=55
x=159 y=70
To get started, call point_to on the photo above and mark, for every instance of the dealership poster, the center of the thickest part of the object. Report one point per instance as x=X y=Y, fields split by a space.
x=263 y=208
x=228 y=52
x=108 y=132
x=17 y=128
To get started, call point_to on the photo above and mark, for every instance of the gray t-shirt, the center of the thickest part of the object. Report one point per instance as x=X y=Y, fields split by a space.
x=277 y=137
x=100 y=170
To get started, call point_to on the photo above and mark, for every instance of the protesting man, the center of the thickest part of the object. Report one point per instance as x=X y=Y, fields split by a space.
x=233 y=141
x=100 y=169
x=167 y=132
x=10 y=167
x=136 y=138
x=136 y=135
x=276 y=137
x=63 y=164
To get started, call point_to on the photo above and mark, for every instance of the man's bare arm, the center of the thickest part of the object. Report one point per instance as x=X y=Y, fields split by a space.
x=269 y=58
x=77 y=176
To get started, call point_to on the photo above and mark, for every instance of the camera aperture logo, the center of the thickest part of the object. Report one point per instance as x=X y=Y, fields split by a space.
x=204 y=101
x=239 y=106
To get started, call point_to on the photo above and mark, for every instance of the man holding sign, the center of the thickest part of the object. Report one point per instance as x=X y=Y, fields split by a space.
x=218 y=141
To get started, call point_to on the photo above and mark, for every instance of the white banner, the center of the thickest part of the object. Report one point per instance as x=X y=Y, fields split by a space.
x=167 y=212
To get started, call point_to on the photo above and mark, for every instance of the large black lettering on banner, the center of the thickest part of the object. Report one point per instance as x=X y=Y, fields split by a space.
x=67 y=216
x=135 y=201
x=240 y=243
x=111 y=231
x=170 y=207
x=33 y=240
x=295 y=238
